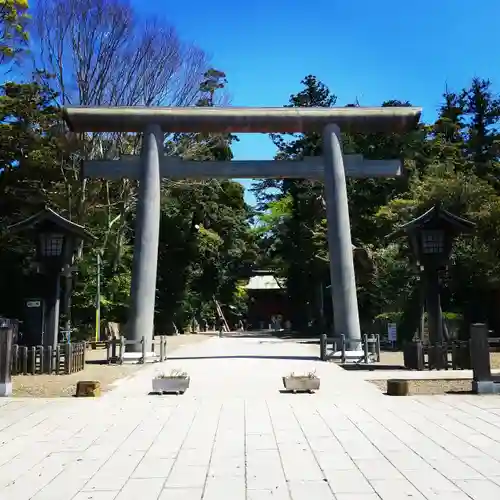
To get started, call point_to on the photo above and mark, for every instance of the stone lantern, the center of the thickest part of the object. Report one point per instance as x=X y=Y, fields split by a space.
x=57 y=240
x=431 y=238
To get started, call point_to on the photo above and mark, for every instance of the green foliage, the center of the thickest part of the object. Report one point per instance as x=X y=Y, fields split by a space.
x=291 y=224
x=13 y=34
x=206 y=241
x=454 y=161
x=207 y=246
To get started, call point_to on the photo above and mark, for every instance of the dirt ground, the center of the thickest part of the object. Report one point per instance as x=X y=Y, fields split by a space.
x=50 y=386
x=428 y=386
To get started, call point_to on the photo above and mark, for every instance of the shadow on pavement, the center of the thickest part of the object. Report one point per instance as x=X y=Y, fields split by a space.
x=96 y=362
x=371 y=367
x=304 y=358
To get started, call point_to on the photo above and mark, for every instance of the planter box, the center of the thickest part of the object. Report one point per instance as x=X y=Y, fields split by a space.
x=171 y=385
x=301 y=384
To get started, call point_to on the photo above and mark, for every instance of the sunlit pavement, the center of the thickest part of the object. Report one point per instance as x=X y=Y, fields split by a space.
x=233 y=435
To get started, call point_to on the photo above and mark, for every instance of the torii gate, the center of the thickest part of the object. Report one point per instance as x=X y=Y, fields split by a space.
x=154 y=122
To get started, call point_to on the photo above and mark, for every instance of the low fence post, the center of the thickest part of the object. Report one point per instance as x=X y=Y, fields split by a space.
x=49 y=359
x=5 y=357
x=58 y=359
x=377 y=347
x=33 y=360
x=122 y=349
x=163 y=348
x=24 y=357
x=322 y=346
x=113 y=349
x=14 y=367
x=365 y=348
x=67 y=359
x=143 y=346
x=480 y=353
x=413 y=354
x=342 y=347
x=41 y=352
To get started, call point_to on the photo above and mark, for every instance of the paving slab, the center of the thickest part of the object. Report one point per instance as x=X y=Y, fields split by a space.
x=234 y=435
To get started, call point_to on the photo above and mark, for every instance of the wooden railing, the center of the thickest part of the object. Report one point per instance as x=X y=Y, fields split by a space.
x=115 y=348
x=369 y=345
x=63 y=360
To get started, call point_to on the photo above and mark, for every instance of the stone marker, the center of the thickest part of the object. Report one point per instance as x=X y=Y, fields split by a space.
x=397 y=387
x=482 y=381
x=88 y=389
x=5 y=357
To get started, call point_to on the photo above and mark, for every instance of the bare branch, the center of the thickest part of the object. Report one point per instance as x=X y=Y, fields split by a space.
x=102 y=54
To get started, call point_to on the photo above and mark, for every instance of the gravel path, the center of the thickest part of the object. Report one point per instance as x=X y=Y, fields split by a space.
x=49 y=386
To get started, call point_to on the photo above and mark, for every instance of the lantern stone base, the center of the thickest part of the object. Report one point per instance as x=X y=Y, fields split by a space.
x=486 y=387
x=5 y=389
x=136 y=357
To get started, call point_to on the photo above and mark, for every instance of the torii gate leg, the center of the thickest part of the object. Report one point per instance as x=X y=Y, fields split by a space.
x=343 y=281
x=147 y=231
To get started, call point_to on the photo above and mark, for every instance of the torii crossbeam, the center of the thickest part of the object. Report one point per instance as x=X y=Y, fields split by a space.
x=154 y=122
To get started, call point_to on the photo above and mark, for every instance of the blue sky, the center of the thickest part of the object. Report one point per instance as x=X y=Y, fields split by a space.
x=364 y=49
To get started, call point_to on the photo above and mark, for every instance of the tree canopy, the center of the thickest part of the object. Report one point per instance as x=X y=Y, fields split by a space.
x=453 y=161
x=211 y=240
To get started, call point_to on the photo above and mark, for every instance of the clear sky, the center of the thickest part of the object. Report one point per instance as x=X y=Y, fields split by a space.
x=365 y=49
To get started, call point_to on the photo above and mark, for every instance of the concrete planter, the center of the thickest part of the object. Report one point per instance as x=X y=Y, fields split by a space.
x=305 y=383
x=170 y=385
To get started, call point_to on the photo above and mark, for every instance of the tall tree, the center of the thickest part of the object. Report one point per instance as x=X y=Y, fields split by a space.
x=298 y=244
x=206 y=244
x=104 y=53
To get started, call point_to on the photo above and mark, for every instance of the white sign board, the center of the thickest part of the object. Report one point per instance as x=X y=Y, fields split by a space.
x=392 y=332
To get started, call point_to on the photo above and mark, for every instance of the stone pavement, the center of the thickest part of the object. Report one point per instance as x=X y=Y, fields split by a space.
x=234 y=436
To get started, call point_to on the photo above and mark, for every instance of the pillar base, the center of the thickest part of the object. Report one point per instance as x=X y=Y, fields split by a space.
x=5 y=389
x=350 y=356
x=135 y=357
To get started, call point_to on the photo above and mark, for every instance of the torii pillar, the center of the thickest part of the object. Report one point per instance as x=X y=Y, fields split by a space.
x=153 y=122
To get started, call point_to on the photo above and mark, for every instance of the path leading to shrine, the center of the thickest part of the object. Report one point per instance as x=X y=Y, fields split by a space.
x=234 y=436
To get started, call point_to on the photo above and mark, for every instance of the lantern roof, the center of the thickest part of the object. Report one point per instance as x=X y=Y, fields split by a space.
x=436 y=217
x=48 y=217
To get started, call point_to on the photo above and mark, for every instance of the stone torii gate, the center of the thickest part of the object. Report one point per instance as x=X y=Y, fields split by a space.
x=332 y=167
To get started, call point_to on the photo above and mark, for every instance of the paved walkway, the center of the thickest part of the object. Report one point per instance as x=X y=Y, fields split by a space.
x=234 y=436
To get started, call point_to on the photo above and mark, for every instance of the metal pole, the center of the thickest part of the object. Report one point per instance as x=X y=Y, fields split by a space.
x=68 y=287
x=53 y=320
x=434 y=314
x=321 y=308
x=98 y=301
x=343 y=281
x=147 y=230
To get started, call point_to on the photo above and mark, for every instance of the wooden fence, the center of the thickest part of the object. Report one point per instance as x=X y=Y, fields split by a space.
x=63 y=360
x=453 y=355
